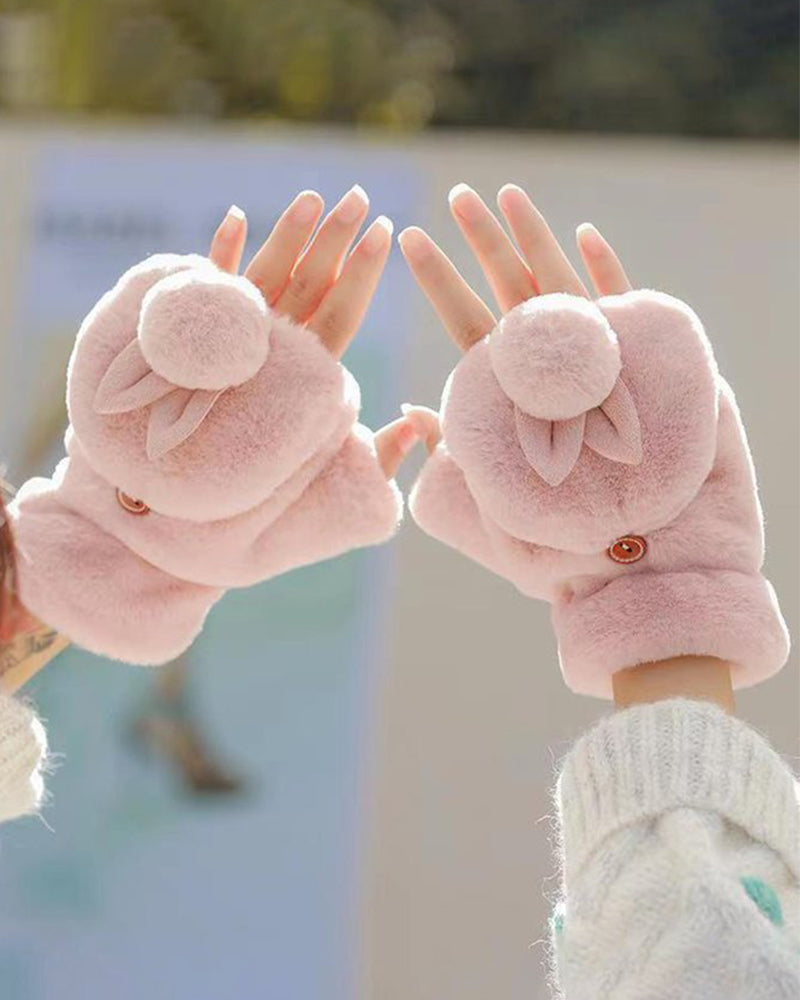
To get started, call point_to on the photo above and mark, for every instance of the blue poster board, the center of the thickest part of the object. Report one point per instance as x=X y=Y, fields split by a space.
x=136 y=886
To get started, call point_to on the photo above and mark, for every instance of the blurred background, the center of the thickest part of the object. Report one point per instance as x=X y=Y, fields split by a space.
x=343 y=789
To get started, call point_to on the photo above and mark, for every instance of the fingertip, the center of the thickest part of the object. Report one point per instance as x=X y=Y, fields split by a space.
x=393 y=443
x=407 y=437
x=590 y=240
x=307 y=207
x=232 y=224
x=466 y=204
x=228 y=241
x=354 y=205
x=510 y=193
x=409 y=234
x=456 y=190
x=378 y=236
x=426 y=422
x=418 y=410
x=414 y=242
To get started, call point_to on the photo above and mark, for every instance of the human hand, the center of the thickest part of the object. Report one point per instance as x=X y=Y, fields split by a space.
x=534 y=265
x=592 y=455
x=315 y=275
x=214 y=438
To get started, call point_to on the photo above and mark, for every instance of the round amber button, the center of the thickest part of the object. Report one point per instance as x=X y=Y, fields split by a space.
x=628 y=549
x=131 y=505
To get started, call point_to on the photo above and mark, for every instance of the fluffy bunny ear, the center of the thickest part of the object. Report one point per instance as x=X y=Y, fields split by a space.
x=129 y=383
x=200 y=332
x=613 y=429
x=551 y=446
x=175 y=417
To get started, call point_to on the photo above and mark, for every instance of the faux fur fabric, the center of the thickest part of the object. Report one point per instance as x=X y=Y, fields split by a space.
x=691 y=495
x=653 y=616
x=231 y=431
x=555 y=356
x=92 y=588
x=242 y=448
x=204 y=329
x=670 y=374
x=321 y=511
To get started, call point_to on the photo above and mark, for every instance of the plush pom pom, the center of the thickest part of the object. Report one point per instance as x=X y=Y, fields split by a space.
x=555 y=356
x=204 y=329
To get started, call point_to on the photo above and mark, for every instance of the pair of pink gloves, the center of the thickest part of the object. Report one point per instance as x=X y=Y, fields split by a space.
x=591 y=454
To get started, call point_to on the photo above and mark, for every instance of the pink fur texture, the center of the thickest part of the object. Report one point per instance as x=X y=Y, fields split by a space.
x=90 y=587
x=240 y=448
x=204 y=329
x=555 y=356
x=691 y=494
x=236 y=430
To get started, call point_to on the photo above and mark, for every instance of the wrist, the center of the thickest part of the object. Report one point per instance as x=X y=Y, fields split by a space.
x=703 y=678
x=25 y=653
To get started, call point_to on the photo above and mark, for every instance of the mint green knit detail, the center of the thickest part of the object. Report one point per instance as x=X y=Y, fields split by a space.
x=765 y=898
x=557 y=919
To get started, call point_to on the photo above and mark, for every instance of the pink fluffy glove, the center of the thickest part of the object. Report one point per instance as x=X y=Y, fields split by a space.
x=212 y=444
x=593 y=456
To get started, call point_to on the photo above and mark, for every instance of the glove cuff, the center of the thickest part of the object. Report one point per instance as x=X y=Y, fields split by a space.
x=647 y=617
x=90 y=587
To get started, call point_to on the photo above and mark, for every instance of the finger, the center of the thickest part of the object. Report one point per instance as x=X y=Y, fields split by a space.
x=271 y=267
x=229 y=239
x=509 y=277
x=426 y=423
x=341 y=311
x=392 y=443
x=319 y=266
x=604 y=267
x=540 y=248
x=465 y=316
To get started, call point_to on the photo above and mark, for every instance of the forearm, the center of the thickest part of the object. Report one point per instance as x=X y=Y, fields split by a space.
x=23 y=753
x=680 y=853
x=27 y=653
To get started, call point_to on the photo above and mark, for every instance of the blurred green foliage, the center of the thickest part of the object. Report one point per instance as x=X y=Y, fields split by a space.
x=712 y=67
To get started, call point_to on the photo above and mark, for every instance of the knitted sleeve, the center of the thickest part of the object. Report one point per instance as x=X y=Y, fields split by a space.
x=23 y=751
x=680 y=852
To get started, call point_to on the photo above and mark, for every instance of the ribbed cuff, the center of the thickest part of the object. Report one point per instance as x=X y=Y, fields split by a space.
x=23 y=750
x=645 y=760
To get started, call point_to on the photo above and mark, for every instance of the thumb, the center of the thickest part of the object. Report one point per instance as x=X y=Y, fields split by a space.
x=393 y=442
x=426 y=422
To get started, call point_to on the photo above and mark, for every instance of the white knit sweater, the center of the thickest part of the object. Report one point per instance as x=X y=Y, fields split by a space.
x=680 y=852
x=680 y=849
x=23 y=751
